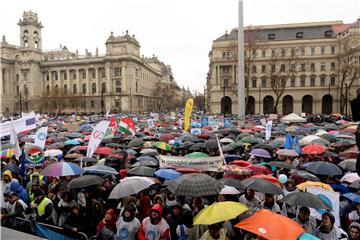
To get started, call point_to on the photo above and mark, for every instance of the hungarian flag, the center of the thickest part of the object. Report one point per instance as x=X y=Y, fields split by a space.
x=111 y=130
x=127 y=126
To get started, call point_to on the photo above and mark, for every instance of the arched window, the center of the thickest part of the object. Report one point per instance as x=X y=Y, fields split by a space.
x=56 y=89
x=93 y=88
x=84 y=88
x=118 y=86
x=74 y=89
x=65 y=89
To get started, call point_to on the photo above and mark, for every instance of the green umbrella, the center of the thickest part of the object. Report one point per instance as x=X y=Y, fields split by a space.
x=328 y=137
x=196 y=154
x=163 y=146
x=251 y=140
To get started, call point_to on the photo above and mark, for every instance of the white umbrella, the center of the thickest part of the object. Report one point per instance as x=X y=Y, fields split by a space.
x=310 y=138
x=226 y=140
x=227 y=190
x=129 y=186
x=53 y=153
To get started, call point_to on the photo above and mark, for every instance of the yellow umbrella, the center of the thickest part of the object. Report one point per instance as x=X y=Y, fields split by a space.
x=306 y=184
x=219 y=212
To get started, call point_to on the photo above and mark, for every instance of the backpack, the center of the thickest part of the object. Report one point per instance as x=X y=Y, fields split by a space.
x=182 y=233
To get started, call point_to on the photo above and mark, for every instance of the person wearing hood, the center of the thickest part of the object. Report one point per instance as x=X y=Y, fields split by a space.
x=305 y=220
x=353 y=232
x=128 y=225
x=109 y=221
x=6 y=181
x=174 y=218
x=15 y=186
x=76 y=222
x=154 y=226
x=215 y=232
x=328 y=230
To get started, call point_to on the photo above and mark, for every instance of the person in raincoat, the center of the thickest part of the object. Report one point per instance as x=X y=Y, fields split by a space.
x=15 y=186
x=109 y=221
x=353 y=232
x=154 y=226
x=6 y=181
x=304 y=219
x=328 y=230
x=127 y=226
x=215 y=232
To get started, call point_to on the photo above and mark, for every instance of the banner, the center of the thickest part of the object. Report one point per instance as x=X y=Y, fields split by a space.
x=188 y=108
x=14 y=141
x=40 y=137
x=47 y=233
x=220 y=150
x=201 y=163
x=330 y=198
x=111 y=130
x=268 y=130
x=97 y=135
x=25 y=123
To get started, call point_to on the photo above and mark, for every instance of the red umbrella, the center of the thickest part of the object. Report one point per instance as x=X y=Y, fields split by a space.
x=188 y=170
x=259 y=169
x=314 y=149
x=104 y=150
x=246 y=130
x=167 y=137
x=241 y=163
x=267 y=177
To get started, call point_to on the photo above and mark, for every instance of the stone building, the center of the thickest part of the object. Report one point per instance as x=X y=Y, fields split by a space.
x=307 y=67
x=61 y=80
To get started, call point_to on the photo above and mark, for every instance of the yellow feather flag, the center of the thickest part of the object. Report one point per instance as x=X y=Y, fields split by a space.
x=188 y=108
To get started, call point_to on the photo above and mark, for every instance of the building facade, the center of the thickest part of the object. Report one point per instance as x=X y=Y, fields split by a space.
x=60 y=80
x=301 y=68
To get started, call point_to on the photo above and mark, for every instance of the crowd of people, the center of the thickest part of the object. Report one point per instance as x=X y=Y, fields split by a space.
x=158 y=213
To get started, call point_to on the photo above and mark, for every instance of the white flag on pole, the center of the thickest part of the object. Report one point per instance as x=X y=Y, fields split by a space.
x=268 y=130
x=14 y=141
x=97 y=135
x=40 y=137
x=220 y=150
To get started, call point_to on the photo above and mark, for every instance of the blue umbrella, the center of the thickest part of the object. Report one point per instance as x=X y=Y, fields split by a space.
x=146 y=158
x=230 y=158
x=353 y=197
x=72 y=142
x=100 y=169
x=307 y=236
x=86 y=127
x=168 y=174
x=73 y=135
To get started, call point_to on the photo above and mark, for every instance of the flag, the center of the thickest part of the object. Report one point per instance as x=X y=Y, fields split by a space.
x=188 y=108
x=127 y=126
x=288 y=142
x=14 y=141
x=296 y=145
x=40 y=137
x=112 y=128
x=220 y=149
x=268 y=130
x=97 y=135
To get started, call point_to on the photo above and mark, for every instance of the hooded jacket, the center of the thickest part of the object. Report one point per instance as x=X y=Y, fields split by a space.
x=111 y=224
x=8 y=173
x=6 y=186
x=127 y=228
x=160 y=231
x=22 y=193
x=76 y=221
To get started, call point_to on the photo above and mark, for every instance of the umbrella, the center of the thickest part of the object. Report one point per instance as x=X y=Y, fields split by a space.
x=235 y=170
x=188 y=138
x=267 y=178
x=146 y=158
x=195 y=185
x=211 y=144
x=104 y=150
x=282 y=165
x=232 y=183
x=261 y=185
x=197 y=147
x=145 y=163
x=241 y=163
x=84 y=181
x=348 y=164
x=278 y=143
x=57 y=145
x=129 y=186
x=142 y=171
x=61 y=169
x=135 y=143
x=196 y=154
x=72 y=142
x=287 y=152
x=53 y=153
x=305 y=199
x=258 y=152
x=226 y=140
x=355 y=185
x=323 y=168
x=73 y=135
x=60 y=139
x=228 y=190
x=163 y=146
x=167 y=137
x=168 y=174
x=258 y=169
x=251 y=140
x=149 y=152
x=264 y=146
x=328 y=137
x=350 y=177
x=269 y=225
x=101 y=169
x=85 y=159
x=306 y=184
x=185 y=170
x=313 y=149
x=307 y=236
x=353 y=197
x=12 y=168
x=329 y=154
x=344 y=143
x=73 y=155
x=305 y=175
x=219 y=212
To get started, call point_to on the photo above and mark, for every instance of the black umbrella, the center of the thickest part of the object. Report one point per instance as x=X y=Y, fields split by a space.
x=324 y=168
x=348 y=164
x=305 y=175
x=57 y=145
x=329 y=154
x=261 y=185
x=85 y=181
x=232 y=183
x=149 y=152
x=12 y=168
x=264 y=146
x=195 y=185
x=211 y=144
x=142 y=171
x=60 y=139
x=135 y=143
x=145 y=163
x=304 y=199
x=282 y=165
x=188 y=144
x=197 y=147
x=85 y=159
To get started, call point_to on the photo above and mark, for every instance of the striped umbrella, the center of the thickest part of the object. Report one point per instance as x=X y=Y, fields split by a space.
x=61 y=169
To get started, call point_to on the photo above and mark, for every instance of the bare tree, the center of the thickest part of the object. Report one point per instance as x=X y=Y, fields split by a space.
x=166 y=96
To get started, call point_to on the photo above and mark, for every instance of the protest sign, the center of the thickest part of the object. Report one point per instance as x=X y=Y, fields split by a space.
x=201 y=163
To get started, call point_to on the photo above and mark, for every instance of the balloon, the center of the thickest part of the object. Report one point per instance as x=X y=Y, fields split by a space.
x=283 y=178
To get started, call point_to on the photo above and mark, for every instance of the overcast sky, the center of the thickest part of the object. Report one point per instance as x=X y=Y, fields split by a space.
x=179 y=32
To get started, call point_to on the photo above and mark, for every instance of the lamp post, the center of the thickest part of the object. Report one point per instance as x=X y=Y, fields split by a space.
x=20 y=103
x=241 y=87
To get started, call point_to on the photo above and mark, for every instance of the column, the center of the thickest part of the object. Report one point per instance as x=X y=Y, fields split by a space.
x=217 y=74
x=98 y=85
x=51 y=81
x=234 y=74
x=60 y=85
x=2 y=79
x=78 y=81
x=68 y=81
x=108 y=80
x=124 y=80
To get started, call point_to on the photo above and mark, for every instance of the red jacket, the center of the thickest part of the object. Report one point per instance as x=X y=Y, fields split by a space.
x=148 y=231
x=111 y=224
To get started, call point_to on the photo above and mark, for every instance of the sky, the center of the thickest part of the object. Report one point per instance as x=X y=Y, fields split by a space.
x=178 y=32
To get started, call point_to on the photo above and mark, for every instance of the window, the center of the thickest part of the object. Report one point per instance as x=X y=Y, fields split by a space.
x=282 y=68
x=56 y=89
x=103 y=87
x=93 y=73
x=263 y=68
x=84 y=88
x=55 y=76
x=83 y=72
x=312 y=51
x=117 y=71
x=47 y=90
x=292 y=81
x=312 y=67
x=103 y=72
x=226 y=55
x=332 y=66
x=322 y=50
x=254 y=52
x=263 y=53
x=332 y=81
x=328 y=33
x=17 y=90
x=273 y=51
x=302 y=81
x=65 y=75
x=117 y=104
x=93 y=88
x=253 y=68
x=293 y=52
x=92 y=104
x=226 y=83
x=299 y=35
x=65 y=89
x=253 y=83
x=322 y=81
x=283 y=52
x=293 y=67
x=302 y=50
x=273 y=68
x=225 y=69
x=118 y=86
x=263 y=82
x=74 y=74
x=332 y=50
x=303 y=67
x=312 y=81
x=271 y=36
x=322 y=66
x=74 y=89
